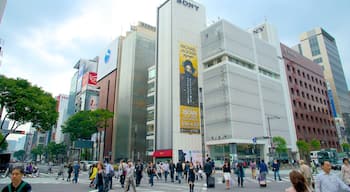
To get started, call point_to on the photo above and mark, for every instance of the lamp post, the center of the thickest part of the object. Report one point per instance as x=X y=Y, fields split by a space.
x=270 y=135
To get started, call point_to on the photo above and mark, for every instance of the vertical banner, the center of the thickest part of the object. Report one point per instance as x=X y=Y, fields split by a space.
x=189 y=109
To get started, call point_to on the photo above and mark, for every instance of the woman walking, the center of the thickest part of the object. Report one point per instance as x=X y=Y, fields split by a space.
x=226 y=169
x=191 y=176
x=100 y=177
x=93 y=174
x=298 y=181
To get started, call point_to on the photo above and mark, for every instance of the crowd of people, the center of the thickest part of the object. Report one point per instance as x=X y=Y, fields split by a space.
x=130 y=175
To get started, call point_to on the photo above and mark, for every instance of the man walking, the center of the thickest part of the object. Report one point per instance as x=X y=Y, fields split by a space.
x=276 y=169
x=179 y=170
x=109 y=170
x=138 y=169
x=208 y=168
x=328 y=182
x=76 y=169
x=129 y=177
x=172 y=170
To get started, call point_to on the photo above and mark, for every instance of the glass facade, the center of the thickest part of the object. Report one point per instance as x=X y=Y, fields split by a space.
x=138 y=55
x=315 y=49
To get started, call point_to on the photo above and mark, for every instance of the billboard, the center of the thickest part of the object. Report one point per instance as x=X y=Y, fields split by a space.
x=189 y=109
x=89 y=79
x=107 y=61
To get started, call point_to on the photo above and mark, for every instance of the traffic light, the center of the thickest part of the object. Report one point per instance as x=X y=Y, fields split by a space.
x=19 y=132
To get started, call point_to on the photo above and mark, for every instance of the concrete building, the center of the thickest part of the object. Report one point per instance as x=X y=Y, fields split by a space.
x=107 y=81
x=321 y=47
x=138 y=54
x=244 y=97
x=62 y=106
x=308 y=93
x=178 y=133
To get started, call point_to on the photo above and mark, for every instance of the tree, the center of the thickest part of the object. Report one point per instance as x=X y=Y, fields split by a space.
x=280 y=145
x=346 y=147
x=84 y=123
x=55 y=151
x=4 y=145
x=26 y=103
x=315 y=145
x=39 y=150
x=304 y=149
x=19 y=154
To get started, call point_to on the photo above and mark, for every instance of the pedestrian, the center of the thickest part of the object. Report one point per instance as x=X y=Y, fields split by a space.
x=165 y=169
x=151 y=170
x=17 y=184
x=138 y=171
x=263 y=171
x=314 y=167
x=109 y=173
x=60 y=172
x=100 y=178
x=253 y=169
x=69 y=171
x=129 y=177
x=198 y=169
x=179 y=171
x=186 y=167
x=345 y=171
x=159 y=170
x=191 y=176
x=122 y=172
x=76 y=170
x=306 y=172
x=172 y=170
x=298 y=183
x=240 y=174
x=226 y=169
x=276 y=169
x=208 y=169
x=328 y=182
x=92 y=176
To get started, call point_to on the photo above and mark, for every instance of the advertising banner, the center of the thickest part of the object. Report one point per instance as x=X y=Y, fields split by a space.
x=189 y=108
x=89 y=79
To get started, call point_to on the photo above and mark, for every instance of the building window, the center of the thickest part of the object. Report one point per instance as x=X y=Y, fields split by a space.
x=290 y=79
x=292 y=91
x=288 y=67
x=315 y=49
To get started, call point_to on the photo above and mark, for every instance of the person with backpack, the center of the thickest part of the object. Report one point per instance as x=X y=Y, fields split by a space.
x=151 y=170
x=17 y=184
x=138 y=171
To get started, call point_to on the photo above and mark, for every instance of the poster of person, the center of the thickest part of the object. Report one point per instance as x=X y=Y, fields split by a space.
x=189 y=109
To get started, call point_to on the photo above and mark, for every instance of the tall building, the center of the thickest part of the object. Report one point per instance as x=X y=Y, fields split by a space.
x=178 y=131
x=244 y=97
x=107 y=84
x=321 y=47
x=151 y=115
x=62 y=106
x=138 y=54
x=308 y=94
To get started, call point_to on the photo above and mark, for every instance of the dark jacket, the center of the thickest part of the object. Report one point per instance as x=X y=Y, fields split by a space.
x=179 y=167
x=208 y=168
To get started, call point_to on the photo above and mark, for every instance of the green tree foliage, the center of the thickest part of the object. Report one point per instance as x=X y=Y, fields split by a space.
x=280 y=145
x=84 y=123
x=315 y=145
x=38 y=150
x=4 y=145
x=304 y=149
x=19 y=154
x=56 y=151
x=346 y=147
x=26 y=103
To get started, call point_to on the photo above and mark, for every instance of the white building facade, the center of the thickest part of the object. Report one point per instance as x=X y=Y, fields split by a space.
x=178 y=130
x=244 y=95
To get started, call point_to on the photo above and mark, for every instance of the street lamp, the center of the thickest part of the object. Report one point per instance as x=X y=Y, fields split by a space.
x=270 y=135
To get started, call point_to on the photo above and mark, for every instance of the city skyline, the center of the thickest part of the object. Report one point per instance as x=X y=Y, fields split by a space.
x=43 y=42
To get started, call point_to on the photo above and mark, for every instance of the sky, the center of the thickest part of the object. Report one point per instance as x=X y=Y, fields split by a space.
x=44 y=39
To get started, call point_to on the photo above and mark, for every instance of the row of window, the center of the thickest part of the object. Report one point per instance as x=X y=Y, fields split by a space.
x=307 y=76
x=310 y=107
x=309 y=96
x=316 y=131
x=311 y=118
x=307 y=86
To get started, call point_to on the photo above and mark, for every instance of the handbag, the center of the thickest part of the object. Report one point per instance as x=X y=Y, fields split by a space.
x=223 y=179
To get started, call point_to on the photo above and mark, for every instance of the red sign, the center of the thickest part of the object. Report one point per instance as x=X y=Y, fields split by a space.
x=163 y=153
x=89 y=78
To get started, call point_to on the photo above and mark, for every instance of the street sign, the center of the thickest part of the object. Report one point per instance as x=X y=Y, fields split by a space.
x=254 y=140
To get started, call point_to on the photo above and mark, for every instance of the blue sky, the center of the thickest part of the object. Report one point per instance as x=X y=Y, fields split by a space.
x=44 y=39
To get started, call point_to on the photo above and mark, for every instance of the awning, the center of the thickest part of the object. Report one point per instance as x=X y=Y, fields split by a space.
x=163 y=153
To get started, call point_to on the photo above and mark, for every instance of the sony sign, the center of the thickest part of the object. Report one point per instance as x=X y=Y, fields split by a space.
x=188 y=4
